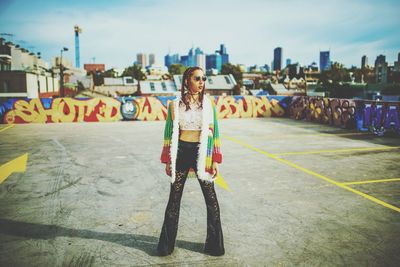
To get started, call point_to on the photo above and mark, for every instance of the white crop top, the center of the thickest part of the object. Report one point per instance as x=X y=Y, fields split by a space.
x=190 y=119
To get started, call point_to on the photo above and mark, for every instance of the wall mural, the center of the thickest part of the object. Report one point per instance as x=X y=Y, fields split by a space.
x=377 y=117
x=47 y=110
x=155 y=108
x=332 y=111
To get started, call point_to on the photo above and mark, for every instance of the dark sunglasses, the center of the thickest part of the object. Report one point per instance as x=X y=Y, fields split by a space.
x=197 y=78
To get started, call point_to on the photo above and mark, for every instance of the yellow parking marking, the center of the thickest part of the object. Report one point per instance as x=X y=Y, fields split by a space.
x=338 y=150
x=274 y=156
x=15 y=165
x=342 y=134
x=5 y=128
x=374 y=181
x=280 y=136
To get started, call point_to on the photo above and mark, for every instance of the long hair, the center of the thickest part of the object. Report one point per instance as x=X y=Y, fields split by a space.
x=185 y=87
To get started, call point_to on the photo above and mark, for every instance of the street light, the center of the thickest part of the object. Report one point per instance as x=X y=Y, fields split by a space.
x=62 y=73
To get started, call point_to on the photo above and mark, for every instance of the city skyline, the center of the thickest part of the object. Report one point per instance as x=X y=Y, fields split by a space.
x=114 y=34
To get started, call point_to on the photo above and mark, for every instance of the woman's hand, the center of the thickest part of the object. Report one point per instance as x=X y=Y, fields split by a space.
x=168 y=169
x=215 y=169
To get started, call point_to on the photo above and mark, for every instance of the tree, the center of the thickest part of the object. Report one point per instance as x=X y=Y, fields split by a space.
x=176 y=69
x=335 y=75
x=111 y=73
x=134 y=71
x=234 y=70
x=236 y=73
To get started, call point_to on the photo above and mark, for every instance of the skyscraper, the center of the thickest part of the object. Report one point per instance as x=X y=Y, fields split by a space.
x=152 y=59
x=364 y=62
x=324 y=60
x=141 y=59
x=222 y=49
x=171 y=59
x=381 y=69
x=224 y=55
x=278 y=58
x=214 y=61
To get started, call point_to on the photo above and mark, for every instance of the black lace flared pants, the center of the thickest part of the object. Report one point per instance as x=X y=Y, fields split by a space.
x=214 y=244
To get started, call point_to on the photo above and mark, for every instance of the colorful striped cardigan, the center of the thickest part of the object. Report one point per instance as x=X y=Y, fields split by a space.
x=209 y=150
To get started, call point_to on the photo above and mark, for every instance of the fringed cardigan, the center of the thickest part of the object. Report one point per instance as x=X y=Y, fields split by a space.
x=209 y=150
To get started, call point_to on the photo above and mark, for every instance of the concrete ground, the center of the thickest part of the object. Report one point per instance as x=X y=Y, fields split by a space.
x=94 y=194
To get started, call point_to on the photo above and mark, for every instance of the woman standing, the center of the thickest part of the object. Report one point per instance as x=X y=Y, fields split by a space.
x=191 y=140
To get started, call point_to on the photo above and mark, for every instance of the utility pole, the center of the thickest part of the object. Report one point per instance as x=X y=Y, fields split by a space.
x=62 y=73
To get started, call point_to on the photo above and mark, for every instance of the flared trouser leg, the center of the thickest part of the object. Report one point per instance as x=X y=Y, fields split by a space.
x=214 y=244
x=169 y=229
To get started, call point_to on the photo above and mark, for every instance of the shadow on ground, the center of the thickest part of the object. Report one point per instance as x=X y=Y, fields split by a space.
x=147 y=244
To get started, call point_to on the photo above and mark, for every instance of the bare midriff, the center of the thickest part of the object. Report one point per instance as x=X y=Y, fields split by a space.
x=190 y=135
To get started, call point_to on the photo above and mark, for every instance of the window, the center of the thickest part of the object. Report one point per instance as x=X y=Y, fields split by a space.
x=210 y=81
x=5 y=87
x=228 y=81
x=152 y=87
x=164 y=86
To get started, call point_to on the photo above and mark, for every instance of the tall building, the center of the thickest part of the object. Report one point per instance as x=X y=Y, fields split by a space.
x=222 y=49
x=214 y=61
x=184 y=60
x=396 y=67
x=381 y=69
x=141 y=59
x=201 y=61
x=152 y=59
x=364 y=62
x=171 y=59
x=324 y=60
x=224 y=55
x=278 y=58
x=288 y=62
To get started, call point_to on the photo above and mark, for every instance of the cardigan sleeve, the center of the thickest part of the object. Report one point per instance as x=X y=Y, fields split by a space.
x=217 y=155
x=166 y=150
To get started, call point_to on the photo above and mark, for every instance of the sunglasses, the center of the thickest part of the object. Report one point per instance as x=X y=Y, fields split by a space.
x=198 y=78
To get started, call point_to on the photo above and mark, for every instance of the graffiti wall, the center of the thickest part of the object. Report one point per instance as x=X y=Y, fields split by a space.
x=48 y=110
x=332 y=111
x=378 y=117
x=373 y=116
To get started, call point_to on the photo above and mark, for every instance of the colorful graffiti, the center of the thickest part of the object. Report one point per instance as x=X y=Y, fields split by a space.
x=155 y=108
x=47 y=110
x=332 y=111
x=251 y=106
x=378 y=117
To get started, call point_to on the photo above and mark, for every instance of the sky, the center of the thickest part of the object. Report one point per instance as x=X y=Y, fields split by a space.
x=113 y=32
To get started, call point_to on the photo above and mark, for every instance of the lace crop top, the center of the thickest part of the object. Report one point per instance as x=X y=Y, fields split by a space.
x=190 y=119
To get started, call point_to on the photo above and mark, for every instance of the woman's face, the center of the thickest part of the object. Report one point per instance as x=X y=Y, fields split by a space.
x=196 y=82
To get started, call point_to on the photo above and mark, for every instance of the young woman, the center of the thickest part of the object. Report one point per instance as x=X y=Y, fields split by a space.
x=191 y=141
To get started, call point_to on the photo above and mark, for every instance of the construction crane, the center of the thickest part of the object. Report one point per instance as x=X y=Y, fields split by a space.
x=77 y=55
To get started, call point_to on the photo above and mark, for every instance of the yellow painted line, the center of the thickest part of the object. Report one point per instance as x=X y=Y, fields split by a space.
x=15 y=165
x=374 y=181
x=343 y=134
x=338 y=150
x=280 y=136
x=274 y=156
x=5 y=128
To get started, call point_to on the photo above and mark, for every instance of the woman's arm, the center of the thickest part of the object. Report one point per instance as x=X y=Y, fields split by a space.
x=217 y=155
x=166 y=151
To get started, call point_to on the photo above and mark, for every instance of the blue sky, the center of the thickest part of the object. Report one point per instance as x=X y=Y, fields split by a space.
x=114 y=31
